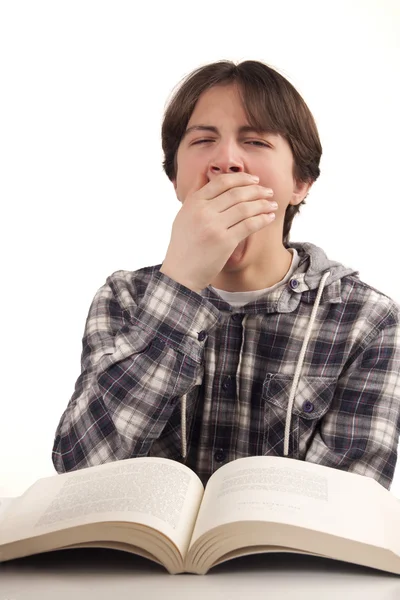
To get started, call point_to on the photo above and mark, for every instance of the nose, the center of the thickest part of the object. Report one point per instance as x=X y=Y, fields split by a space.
x=218 y=169
x=224 y=161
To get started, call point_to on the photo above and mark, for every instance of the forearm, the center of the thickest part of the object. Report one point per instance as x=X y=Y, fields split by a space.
x=130 y=383
x=115 y=417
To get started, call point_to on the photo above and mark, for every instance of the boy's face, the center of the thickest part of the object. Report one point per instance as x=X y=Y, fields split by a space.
x=267 y=155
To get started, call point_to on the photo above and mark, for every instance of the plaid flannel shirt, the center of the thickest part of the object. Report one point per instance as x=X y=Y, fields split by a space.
x=149 y=341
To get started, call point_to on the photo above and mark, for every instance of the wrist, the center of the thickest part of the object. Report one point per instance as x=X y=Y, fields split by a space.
x=176 y=277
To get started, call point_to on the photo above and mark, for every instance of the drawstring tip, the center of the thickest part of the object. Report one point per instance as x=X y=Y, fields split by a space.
x=183 y=426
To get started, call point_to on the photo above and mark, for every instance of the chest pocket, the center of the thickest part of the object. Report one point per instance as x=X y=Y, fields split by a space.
x=311 y=402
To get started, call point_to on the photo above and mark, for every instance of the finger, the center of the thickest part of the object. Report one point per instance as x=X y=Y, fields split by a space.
x=200 y=181
x=225 y=181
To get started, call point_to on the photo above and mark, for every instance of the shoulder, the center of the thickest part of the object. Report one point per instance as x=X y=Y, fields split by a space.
x=368 y=303
x=126 y=288
x=367 y=293
x=133 y=281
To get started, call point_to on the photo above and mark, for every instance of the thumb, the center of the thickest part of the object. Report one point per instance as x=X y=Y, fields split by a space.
x=199 y=181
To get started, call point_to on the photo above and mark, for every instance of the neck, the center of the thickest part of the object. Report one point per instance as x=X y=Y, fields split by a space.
x=246 y=275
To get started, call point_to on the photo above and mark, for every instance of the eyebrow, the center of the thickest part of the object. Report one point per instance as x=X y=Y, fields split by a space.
x=212 y=129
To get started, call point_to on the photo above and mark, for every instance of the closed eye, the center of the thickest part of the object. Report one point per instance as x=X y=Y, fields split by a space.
x=258 y=142
x=262 y=144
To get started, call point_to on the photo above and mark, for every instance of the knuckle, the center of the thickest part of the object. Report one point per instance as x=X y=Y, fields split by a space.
x=244 y=209
x=210 y=232
x=235 y=193
x=249 y=224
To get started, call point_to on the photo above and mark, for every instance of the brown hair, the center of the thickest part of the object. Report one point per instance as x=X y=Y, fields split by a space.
x=270 y=102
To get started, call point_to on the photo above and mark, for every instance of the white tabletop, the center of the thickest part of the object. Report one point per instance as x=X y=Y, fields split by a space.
x=111 y=575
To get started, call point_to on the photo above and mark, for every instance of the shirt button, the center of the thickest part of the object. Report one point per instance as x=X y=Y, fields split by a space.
x=202 y=336
x=227 y=384
x=220 y=455
x=237 y=317
x=294 y=284
x=308 y=406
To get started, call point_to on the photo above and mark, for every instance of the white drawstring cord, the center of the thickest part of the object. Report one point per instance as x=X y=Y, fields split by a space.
x=300 y=363
x=183 y=426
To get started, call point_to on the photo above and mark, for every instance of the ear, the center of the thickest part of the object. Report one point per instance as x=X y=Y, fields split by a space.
x=300 y=191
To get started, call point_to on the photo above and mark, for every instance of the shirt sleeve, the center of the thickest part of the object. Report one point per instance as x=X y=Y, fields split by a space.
x=360 y=432
x=136 y=359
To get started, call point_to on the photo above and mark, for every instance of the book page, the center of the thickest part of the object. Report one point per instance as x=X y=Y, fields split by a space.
x=157 y=492
x=392 y=523
x=4 y=504
x=283 y=490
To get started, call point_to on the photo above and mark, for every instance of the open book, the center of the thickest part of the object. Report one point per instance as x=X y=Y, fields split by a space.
x=158 y=508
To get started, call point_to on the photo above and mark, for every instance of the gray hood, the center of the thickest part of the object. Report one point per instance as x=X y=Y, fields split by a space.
x=318 y=264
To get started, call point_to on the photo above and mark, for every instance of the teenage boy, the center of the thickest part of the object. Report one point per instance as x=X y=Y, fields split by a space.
x=240 y=343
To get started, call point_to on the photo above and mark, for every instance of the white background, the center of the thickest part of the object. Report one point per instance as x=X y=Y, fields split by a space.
x=83 y=89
